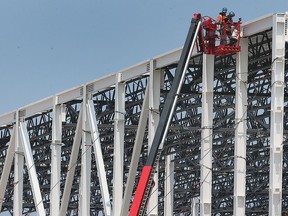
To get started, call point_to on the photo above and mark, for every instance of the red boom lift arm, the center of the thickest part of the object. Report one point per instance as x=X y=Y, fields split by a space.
x=139 y=202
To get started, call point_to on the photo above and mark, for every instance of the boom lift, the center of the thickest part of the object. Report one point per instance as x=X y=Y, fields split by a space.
x=211 y=38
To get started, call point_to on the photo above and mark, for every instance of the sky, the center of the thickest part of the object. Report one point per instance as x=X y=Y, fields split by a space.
x=48 y=46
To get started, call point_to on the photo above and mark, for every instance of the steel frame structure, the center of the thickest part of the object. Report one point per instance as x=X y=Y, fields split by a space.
x=80 y=152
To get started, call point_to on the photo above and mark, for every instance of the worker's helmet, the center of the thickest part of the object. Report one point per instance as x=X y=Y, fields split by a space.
x=231 y=14
x=224 y=10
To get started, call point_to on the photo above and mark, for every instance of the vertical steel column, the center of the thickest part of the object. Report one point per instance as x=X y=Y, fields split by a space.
x=206 y=135
x=277 y=112
x=118 y=163
x=7 y=166
x=85 y=181
x=169 y=185
x=136 y=154
x=31 y=169
x=154 y=115
x=56 y=158
x=240 y=130
x=195 y=206
x=18 y=171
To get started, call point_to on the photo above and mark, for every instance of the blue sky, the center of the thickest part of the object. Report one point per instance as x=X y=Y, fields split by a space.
x=48 y=46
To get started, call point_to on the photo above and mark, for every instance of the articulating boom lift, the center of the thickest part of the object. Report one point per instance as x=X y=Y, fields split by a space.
x=211 y=38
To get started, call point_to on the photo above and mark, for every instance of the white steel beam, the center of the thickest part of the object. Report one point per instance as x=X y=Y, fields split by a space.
x=8 y=118
x=206 y=135
x=154 y=116
x=31 y=169
x=72 y=164
x=118 y=162
x=240 y=130
x=39 y=106
x=103 y=82
x=70 y=94
x=86 y=158
x=56 y=158
x=7 y=166
x=136 y=154
x=277 y=113
x=135 y=70
x=171 y=57
x=169 y=185
x=195 y=206
x=18 y=172
x=258 y=25
x=99 y=158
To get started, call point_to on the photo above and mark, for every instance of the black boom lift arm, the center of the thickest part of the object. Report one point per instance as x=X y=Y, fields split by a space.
x=143 y=188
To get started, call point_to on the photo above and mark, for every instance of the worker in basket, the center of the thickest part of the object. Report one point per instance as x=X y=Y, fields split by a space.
x=222 y=16
x=229 y=27
x=228 y=33
x=221 y=19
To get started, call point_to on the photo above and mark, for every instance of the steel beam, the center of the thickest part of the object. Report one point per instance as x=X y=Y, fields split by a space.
x=18 y=172
x=195 y=206
x=56 y=158
x=99 y=158
x=31 y=169
x=257 y=25
x=154 y=115
x=136 y=154
x=72 y=164
x=206 y=135
x=240 y=130
x=169 y=185
x=118 y=163
x=277 y=113
x=86 y=157
x=7 y=166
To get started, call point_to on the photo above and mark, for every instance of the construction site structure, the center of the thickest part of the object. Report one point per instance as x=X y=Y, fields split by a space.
x=224 y=152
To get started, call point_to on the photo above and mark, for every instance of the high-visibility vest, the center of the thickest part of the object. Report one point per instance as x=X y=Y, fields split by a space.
x=221 y=18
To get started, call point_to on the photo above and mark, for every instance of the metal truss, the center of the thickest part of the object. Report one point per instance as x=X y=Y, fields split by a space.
x=75 y=149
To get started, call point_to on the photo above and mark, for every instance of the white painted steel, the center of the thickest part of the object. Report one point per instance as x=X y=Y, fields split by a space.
x=8 y=118
x=18 y=172
x=70 y=94
x=56 y=159
x=169 y=185
x=135 y=154
x=195 y=206
x=154 y=116
x=86 y=157
x=72 y=164
x=257 y=25
x=118 y=162
x=99 y=158
x=31 y=169
x=206 y=135
x=7 y=166
x=40 y=106
x=240 y=130
x=277 y=113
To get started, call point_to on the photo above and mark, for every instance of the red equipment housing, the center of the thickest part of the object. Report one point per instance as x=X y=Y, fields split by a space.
x=219 y=39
